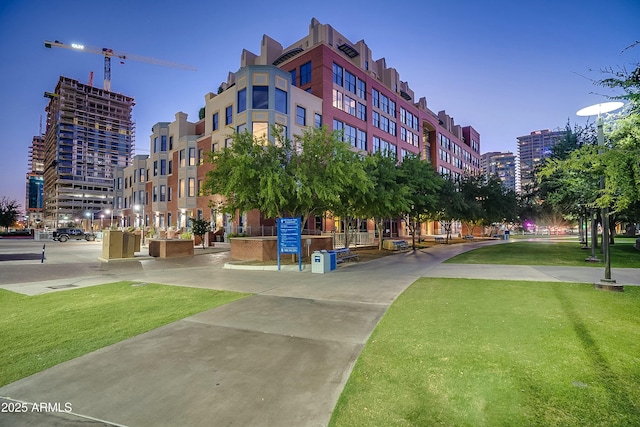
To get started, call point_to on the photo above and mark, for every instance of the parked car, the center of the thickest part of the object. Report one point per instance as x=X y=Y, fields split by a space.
x=64 y=234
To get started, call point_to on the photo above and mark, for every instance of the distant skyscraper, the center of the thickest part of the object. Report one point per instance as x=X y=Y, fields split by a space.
x=35 y=181
x=532 y=149
x=503 y=165
x=89 y=133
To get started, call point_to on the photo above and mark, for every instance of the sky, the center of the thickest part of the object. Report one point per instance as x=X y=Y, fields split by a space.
x=505 y=67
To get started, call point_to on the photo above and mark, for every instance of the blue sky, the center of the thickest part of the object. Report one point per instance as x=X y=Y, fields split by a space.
x=505 y=67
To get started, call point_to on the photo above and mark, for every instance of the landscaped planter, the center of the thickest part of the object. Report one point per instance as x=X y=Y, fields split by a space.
x=170 y=248
x=265 y=248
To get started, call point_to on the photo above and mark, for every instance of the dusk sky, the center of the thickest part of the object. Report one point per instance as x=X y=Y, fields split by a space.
x=504 y=67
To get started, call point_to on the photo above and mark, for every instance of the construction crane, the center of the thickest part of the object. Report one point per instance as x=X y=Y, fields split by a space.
x=108 y=53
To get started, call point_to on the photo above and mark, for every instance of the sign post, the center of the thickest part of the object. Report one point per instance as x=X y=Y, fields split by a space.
x=289 y=238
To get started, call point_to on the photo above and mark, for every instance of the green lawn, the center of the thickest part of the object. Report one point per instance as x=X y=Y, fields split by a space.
x=459 y=352
x=37 y=332
x=623 y=255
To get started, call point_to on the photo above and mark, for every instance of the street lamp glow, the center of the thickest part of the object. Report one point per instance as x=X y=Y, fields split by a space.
x=597 y=109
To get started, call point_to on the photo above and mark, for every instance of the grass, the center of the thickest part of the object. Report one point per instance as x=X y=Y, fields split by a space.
x=623 y=255
x=41 y=331
x=461 y=352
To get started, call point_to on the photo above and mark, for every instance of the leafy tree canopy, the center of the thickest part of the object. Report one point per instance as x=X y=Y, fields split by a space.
x=8 y=212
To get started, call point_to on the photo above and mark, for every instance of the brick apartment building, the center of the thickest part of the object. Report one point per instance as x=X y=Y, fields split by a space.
x=322 y=79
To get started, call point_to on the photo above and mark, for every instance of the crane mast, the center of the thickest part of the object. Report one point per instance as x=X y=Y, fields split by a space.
x=108 y=53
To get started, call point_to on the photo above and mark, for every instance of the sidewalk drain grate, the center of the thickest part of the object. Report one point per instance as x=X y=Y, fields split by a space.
x=62 y=286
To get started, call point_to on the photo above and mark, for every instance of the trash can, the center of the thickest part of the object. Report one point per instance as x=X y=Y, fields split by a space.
x=319 y=262
x=506 y=234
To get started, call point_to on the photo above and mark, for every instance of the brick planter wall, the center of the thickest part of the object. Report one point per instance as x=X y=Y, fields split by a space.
x=170 y=248
x=265 y=248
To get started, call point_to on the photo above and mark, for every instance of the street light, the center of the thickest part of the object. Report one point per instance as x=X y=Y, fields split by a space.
x=110 y=211
x=137 y=208
x=598 y=110
x=90 y=215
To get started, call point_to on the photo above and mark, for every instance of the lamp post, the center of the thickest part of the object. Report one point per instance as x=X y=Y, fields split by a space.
x=90 y=215
x=598 y=110
x=108 y=211
x=141 y=207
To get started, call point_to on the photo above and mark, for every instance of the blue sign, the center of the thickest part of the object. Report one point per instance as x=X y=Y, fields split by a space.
x=289 y=238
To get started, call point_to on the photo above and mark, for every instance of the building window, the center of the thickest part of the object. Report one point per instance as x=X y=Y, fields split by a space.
x=362 y=112
x=215 y=124
x=349 y=105
x=155 y=144
x=155 y=193
x=192 y=187
x=155 y=168
x=375 y=98
x=169 y=195
x=181 y=158
x=170 y=167
x=362 y=89
x=260 y=97
x=350 y=135
x=337 y=74
x=301 y=116
x=180 y=188
x=163 y=193
x=349 y=82
x=361 y=141
x=260 y=130
x=163 y=143
x=214 y=147
x=281 y=101
x=142 y=174
x=228 y=115
x=242 y=100
x=305 y=73
x=171 y=143
x=337 y=99
x=294 y=77
x=375 y=119
x=384 y=104
x=392 y=108
x=337 y=125
x=241 y=128
x=228 y=142
x=163 y=166
x=200 y=156
x=317 y=122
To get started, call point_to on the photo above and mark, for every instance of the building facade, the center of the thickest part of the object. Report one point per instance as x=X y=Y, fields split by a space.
x=89 y=134
x=532 y=149
x=322 y=79
x=502 y=165
x=35 y=183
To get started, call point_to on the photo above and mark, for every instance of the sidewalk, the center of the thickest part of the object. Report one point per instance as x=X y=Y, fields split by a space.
x=278 y=358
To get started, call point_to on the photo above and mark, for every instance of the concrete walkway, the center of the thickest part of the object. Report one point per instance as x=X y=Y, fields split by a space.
x=278 y=358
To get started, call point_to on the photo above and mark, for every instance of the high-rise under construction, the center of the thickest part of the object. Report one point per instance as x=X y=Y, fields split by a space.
x=89 y=133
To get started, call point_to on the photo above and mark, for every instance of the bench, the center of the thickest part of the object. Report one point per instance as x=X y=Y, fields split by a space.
x=468 y=237
x=400 y=245
x=345 y=254
x=439 y=240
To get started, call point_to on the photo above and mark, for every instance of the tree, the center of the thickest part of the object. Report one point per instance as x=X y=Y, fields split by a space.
x=8 y=212
x=200 y=227
x=627 y=80
x=423 y=184
x=311 y=175
x=388 y=198
x=450 y=205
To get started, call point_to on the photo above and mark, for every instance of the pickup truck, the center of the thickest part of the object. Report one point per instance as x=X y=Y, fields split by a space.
x=64 y=234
